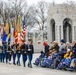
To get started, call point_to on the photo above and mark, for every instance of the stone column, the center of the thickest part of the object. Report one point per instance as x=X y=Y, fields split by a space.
x=49 y=33
x=73 y=37
x=73 y=29
x=57 y=33
x=62 y=32
x=67 y=35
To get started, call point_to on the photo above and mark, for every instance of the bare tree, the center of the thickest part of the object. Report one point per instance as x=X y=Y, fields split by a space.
x=41 y=14
x=29 y=16
x=4 y=11
x=37 y=15
x=18 y=7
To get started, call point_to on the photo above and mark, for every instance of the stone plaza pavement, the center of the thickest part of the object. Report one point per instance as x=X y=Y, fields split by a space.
x=7 y=69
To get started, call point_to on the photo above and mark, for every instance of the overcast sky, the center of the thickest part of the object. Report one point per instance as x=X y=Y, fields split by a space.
x=30 y=2
x=56 y=1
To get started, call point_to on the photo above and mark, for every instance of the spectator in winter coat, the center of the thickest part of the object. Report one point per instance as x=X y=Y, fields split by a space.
x=62 y=45
x=55 y=46
x=46 y=48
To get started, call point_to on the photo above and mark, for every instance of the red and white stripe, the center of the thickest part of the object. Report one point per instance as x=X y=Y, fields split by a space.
x=23 y=33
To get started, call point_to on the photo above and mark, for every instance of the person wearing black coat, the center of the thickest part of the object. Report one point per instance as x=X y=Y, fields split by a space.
x=18 y=53
x=73 y=57
x=9 y=54
x=47 y=49
x=55 y=46
x=14 y=51
x=74 y=49
x=30 y=52
x=6 y=52
x=3 y=51
x=24 y=53
x=0 y=53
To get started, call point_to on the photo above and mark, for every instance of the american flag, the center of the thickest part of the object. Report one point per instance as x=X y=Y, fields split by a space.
x=23 y=31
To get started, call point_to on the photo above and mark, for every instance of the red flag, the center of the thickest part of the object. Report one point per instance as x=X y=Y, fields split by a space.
x=16 y=40
x=15 y=33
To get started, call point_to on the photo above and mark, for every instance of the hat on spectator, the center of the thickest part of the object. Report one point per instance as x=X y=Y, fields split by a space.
x=62 y=41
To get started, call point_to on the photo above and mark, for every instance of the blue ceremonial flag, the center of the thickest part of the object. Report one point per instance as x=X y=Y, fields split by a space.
x=4 y=37
x=23 y=23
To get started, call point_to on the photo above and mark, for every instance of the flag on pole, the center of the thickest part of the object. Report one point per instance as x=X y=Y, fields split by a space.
x=23 y=31
x=14 y=24
x=4 y=37
x=8 y=32
x=8 y=36
x=15 y=32
x=18 y=28
x=2 y=30
x=6 y=29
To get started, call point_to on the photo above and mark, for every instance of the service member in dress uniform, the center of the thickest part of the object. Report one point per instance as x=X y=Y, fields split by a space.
x=0 y=52
x=24 y=53
x=5 y=53
x=14 y=50
x=9 y=54
x=30 y=52
x=18 y=54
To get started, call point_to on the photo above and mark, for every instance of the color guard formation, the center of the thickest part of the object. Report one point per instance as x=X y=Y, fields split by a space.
x=15 y=50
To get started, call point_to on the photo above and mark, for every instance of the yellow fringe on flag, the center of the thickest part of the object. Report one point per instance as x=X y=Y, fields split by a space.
x=7 y=28
x=18 y=25
x=15 y=25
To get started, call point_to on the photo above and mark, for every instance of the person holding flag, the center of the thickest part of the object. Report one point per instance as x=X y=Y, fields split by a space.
x=15 y=42
x=24 y=53
x=0 y=51
x=18 y=53
x=14 y=51
x=4 y=42
x=9 y=53
x=7 y=31
x=15 y=32
x=19 y=42
x=22 y=46
x=30 y=52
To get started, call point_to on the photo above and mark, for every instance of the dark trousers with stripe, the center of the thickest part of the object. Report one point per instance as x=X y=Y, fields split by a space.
x=30 y=57
x=24 y=57
x=6 y=56
x=14 y=58
x=3 y=57
x=18 y=58
x=0 y=57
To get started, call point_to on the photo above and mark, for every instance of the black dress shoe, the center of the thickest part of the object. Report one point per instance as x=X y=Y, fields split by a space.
x=28 y=65
x=14 y=63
